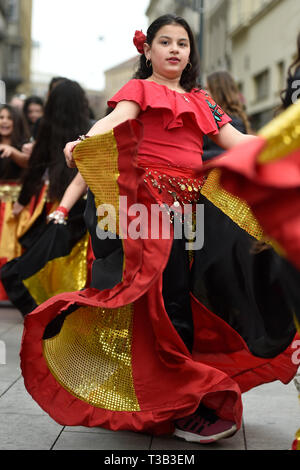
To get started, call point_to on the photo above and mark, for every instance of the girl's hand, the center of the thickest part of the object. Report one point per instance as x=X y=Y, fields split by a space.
x=59 y=216
x=27 y=149
x=68 y=151
x=17 y=208
x=6 y=151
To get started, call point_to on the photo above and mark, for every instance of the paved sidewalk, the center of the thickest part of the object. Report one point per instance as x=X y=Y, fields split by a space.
x=271 y=415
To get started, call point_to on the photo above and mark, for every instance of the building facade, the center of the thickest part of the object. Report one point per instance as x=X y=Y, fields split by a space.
x=263 y=36
x=117 y=76
x=15 y=45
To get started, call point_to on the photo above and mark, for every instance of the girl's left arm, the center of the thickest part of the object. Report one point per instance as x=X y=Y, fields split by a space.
x=229 y=137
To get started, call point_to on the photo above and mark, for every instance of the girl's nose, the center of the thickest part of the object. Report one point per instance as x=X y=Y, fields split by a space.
x=174 y=48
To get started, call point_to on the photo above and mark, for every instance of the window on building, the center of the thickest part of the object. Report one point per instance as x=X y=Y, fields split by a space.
x=2 y=92
x=12 y=10
x=14 y=62
x=262 y=85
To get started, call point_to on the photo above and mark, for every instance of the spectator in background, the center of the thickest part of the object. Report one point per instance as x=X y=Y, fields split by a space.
x=17 y=101
x=223 y=89
x=33 y=110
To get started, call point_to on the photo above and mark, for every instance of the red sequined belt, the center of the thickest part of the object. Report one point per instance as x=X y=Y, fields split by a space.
x=173 y=186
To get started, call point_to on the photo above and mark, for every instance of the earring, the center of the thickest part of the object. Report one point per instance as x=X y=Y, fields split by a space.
x=148 y=63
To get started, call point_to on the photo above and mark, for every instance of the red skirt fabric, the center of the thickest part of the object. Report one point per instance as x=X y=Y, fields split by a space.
x=167 y=381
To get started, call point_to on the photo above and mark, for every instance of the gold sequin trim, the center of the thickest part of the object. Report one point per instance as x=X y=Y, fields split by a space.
x=91 y=357
x=97 y=160
x=10 y=192
x=235 y=208
x=282 y=135
x=64 y=274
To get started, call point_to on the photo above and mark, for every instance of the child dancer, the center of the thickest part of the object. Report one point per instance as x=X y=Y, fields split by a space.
x=13 y=134
x=47 y=178
x=150 y=356
x=47 y=266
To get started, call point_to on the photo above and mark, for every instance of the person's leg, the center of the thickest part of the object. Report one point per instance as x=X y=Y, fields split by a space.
x=203 y=426
x=176 y=292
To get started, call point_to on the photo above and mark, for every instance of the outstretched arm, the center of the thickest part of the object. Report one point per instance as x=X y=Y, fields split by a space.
x=123 y=111
x=229 y=137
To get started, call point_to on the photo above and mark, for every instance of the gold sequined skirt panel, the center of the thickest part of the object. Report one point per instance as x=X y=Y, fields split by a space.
x=91 y=357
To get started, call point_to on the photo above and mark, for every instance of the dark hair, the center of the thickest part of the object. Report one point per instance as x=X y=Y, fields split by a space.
x=31 y=100
x=296 y=62
x=190 y=76
x=65 y=117
x=55 y=81
x=225 y=92
x=20 y=133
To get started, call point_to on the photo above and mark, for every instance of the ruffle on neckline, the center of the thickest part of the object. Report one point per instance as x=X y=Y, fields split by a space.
x=149 y=94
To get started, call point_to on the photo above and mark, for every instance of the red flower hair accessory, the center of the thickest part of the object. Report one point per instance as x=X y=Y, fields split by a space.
x=139 y=41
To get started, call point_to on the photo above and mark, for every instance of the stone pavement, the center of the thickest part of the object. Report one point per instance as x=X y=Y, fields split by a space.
x=271 y=414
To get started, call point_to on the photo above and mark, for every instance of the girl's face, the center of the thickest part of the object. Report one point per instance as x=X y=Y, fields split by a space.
x=6 y=123
x=35 y=112
x=169 y=51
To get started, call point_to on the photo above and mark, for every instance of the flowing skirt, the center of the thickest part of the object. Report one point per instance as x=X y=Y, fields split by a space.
x=56 y=260
x=160 y=329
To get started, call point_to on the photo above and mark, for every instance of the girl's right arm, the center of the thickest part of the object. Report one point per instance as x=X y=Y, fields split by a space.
x=124 y=111
x=76 y=189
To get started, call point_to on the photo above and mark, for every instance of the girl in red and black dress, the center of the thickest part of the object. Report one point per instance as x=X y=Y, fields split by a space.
x=159 y=344
x=13 y=134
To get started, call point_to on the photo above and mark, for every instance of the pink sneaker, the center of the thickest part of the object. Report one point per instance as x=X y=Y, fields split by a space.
x=204 y=427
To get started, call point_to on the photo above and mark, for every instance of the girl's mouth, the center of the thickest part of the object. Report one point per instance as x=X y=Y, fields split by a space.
x=173 y=60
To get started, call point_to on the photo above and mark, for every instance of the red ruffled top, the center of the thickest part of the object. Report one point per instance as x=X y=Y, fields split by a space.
x=174 y=123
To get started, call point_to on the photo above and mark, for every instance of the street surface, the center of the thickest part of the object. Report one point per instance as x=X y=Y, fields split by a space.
x=271 y=415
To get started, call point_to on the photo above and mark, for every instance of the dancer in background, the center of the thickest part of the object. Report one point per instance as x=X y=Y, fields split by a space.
x=13 y=134
x=46 y=164
x=157 y=345
x=47 y=180
x=58 y=261
x=223 y=89
x=27 y=148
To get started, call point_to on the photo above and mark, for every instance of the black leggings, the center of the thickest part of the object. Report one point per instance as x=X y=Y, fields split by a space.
x=176 y=292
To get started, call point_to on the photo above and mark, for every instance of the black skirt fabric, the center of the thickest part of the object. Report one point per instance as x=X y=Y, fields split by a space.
x=252 y=288
x=256 y=293
x=44 y=243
